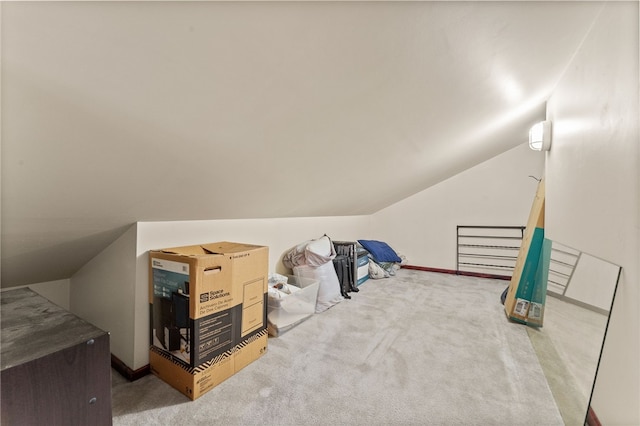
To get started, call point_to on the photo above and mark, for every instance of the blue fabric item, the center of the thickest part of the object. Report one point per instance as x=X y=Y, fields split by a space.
x=380 y=251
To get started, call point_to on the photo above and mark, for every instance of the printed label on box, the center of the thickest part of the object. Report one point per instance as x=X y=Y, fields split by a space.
x=253 y=292
x=213 y=334
x=170 y=265
x=252 y=318
x=169 y=277
x=215 y=293
x=535 y=311
x=170 y=310
x=521 y=307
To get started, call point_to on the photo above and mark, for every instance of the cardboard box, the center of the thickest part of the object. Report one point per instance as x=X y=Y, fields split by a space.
x=193 y=382
x=525 y=298
x=288 y=310
x=362 y=270
x=206 y=300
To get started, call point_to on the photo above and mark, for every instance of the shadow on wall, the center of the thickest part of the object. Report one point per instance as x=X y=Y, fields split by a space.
x=57 y=262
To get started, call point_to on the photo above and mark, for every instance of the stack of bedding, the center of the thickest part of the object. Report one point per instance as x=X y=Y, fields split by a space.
x=313 y=259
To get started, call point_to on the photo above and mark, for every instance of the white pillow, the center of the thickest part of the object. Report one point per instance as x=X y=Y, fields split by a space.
x=318 y=252
x=313 y=253
x=321 y=246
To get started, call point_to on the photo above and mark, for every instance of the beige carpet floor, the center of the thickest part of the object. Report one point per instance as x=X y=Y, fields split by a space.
x=419 y=348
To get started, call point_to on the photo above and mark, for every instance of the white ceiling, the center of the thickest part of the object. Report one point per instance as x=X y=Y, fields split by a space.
x=120 y=112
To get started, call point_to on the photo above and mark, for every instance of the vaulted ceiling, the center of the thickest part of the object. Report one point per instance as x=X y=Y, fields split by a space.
x=117 y=112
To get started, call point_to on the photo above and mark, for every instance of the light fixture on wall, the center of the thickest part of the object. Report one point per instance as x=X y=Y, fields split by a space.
x=540 y=136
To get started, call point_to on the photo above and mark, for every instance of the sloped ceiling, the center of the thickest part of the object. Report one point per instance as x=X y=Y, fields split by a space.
x=117 y=112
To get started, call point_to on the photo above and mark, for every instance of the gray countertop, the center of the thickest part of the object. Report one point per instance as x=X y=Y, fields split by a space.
x=33 y=327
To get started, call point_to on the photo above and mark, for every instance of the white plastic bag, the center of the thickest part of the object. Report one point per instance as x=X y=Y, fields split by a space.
x=329 y=288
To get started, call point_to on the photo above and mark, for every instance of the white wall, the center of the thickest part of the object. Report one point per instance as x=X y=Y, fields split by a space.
x=103 y=293
x=592 y=200
x=496 y=192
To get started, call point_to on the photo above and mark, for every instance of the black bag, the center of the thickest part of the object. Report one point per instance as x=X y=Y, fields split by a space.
x=348 y=249
x=344 y=271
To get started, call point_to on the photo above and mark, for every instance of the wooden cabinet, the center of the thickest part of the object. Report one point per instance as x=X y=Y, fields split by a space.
x=55 y=367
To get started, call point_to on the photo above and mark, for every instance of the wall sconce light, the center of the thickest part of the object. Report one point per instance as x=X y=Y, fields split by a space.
x=540 y=136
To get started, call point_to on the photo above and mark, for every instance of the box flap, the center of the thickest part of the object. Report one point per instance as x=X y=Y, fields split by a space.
x=226 y=247
x=185 y=251
x=220 y=248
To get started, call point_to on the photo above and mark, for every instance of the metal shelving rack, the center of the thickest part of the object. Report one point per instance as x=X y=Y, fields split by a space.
x=488 y=249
